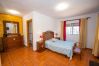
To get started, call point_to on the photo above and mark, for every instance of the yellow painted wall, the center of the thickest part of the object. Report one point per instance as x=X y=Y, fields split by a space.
x=7 y=17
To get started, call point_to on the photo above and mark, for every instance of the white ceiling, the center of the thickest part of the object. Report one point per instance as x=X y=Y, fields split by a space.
x=77 y=7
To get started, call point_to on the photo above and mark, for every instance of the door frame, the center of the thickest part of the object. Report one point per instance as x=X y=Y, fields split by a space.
x=28 y=21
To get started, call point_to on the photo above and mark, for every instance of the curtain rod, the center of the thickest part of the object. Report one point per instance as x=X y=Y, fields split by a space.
x=78 y=19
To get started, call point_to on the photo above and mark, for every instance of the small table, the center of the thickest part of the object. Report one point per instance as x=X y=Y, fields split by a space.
x=40 y=45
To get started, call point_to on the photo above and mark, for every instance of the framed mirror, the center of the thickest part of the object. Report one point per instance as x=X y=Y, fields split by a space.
x=11 y=27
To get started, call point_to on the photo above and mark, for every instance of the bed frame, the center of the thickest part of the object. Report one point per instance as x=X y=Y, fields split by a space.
x=48 y=35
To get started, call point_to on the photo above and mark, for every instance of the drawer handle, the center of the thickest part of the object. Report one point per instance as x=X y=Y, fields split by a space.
x=13 y=38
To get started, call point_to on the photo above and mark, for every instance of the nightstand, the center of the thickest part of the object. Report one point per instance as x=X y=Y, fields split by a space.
x=57 y=38
x=40 y=45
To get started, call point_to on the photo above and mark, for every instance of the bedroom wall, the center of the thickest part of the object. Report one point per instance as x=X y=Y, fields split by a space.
x=91 y=27
x=41 y=23
x=25 y=18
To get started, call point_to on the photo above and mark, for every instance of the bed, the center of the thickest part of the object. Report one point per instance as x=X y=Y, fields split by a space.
x=63 y=47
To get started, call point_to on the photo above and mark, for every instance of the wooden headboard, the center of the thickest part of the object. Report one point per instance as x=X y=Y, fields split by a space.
x=48 y=35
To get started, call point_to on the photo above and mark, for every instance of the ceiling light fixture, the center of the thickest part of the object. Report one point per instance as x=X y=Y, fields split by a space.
x=62 y=6
x=13 y=11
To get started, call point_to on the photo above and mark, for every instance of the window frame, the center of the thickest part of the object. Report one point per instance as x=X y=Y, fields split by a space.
x=72 y=25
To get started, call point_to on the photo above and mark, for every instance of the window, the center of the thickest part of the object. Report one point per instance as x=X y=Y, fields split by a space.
x=76 y=30
x=72 y=28
x=68 y=30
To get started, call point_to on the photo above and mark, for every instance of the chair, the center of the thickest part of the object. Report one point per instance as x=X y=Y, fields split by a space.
x=77 y=49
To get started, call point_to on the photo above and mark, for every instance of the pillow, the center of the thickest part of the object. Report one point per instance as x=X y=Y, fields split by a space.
x=53 y=39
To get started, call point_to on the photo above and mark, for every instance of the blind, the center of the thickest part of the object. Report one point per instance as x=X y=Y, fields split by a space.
x=72 y=24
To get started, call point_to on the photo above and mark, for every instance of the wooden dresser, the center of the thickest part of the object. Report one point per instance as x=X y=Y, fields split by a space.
x=0 y=59
x=1 y=44
x=13 y=42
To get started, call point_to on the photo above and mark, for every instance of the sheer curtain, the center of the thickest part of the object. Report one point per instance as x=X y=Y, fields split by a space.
x=96 y=43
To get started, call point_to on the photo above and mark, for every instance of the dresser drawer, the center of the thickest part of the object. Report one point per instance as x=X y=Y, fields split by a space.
x=11 y=42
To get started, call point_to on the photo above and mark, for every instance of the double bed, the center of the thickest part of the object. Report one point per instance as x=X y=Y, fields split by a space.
x=60 y=46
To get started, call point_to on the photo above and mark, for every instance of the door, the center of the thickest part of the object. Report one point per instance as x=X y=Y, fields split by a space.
x=30 y=33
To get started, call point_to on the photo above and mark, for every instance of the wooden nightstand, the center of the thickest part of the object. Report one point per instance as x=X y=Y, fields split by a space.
x=57 y=38
x=40 y=45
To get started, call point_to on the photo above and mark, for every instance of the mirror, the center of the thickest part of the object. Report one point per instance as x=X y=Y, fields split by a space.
x=11 y=27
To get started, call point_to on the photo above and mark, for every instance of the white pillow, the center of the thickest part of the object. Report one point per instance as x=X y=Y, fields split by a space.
x=53 y=39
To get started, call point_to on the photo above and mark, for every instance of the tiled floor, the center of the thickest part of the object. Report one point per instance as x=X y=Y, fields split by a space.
x=27 y=57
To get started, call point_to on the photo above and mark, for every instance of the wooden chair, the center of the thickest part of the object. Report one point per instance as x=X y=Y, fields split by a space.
x=77 y=49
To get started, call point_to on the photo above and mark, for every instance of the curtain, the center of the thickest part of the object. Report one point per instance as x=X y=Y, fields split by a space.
x=96 y=43
x=79 y=25
x=63 y=30
x=61 y=35
x=83 y=32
